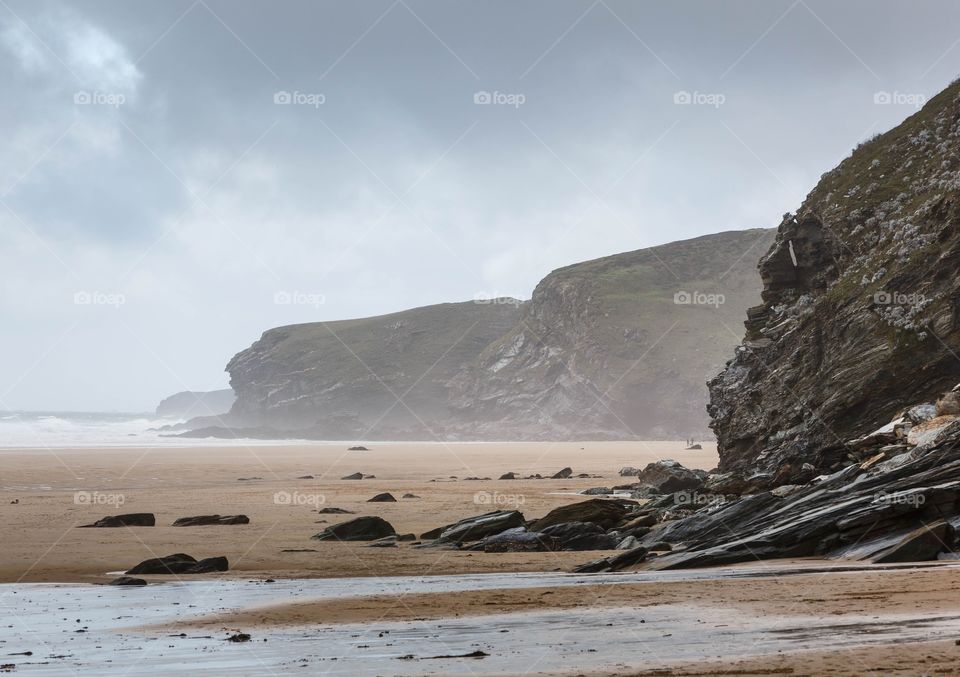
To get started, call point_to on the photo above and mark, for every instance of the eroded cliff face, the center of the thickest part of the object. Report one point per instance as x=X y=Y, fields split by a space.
x=861 y=306
x=619 y=347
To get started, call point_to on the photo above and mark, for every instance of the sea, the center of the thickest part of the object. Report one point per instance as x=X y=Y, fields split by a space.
x=59 y=429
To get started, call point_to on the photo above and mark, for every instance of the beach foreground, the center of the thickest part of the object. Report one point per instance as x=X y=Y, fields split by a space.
x=395 y=610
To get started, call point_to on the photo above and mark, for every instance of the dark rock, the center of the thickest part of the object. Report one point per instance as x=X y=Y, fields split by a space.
x=171 y=564
x=475 y=528
x=305 y=477
x=354 y=476
x=605 y=513
x=921 y=545
x=613 y=563
x=596 y=491
x=211 y=520
x=239 y=637
x=127 y=580
x=432 y=534
x=409 y=496
x=359 y=448
x=563 y=474
x=382 y=498
x=694 y=446
x=517 y=539
x=580 y=536
x=209 y=565
x=335 y=511
x=669 y=476
x=406 y=537
x=385 y=542
x=136 y=519
x=358 y=529
x=508 y=476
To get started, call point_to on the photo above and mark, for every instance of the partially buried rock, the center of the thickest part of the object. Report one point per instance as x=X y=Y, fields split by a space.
x=354 y=476
x=382 y=498
x=179 y=563
x=475 y=528
x=211 y=520
x=358 y=448
x=566 y=473
x=334 y=511
x=409 y=496
x=385 y=542
x=508 y=476
x=136 y=519
x=614 y=563
x=359 y=529
x=127 y=580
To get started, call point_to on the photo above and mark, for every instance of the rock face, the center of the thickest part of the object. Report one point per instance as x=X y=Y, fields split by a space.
x=611 y=348
x=336 y=380
x=861 y=306
x=565 y=365
x=189 y=404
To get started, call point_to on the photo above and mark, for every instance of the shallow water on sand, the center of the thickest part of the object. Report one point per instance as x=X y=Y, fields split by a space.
x=79 y=628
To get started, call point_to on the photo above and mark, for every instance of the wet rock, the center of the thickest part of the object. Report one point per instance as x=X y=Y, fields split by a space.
x=604 y=513
x=566 y=473
x=480 y=526
x=179 y=563
x=127 y=580
x=358 y=529
x=382 y=498
x=580 y=536
x=211 y=520
x=517 y=539
x=239 y=637
x=209 y=565
x=614 y=563
x=136 y=519
x=921 y=545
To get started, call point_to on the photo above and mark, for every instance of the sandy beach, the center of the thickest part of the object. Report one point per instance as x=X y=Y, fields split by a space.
x=58 y=490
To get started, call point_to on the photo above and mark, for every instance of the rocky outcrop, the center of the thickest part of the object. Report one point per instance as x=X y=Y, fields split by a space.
x=619 y=347
x=210 y=520
x=190 y=404
x=180 y=563
x=861 y=307
x=616 y=348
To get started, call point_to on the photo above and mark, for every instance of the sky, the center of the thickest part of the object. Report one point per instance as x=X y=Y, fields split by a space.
x=178 y=177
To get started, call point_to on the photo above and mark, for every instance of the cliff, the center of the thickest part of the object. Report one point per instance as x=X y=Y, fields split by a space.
x=860 y=306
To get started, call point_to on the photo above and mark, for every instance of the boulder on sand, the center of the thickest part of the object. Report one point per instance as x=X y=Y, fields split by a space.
x=211 y=520
x=604 y=513
x=127 y=580
x=354 y=476
x=179 y=563
x=517 y=539
x=563 y=474
x=382 y=498
x=475 y=528
x=359 y=529
x=135 y=519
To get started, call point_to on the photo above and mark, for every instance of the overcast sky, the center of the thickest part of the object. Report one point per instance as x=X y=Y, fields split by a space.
x=172 y=172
